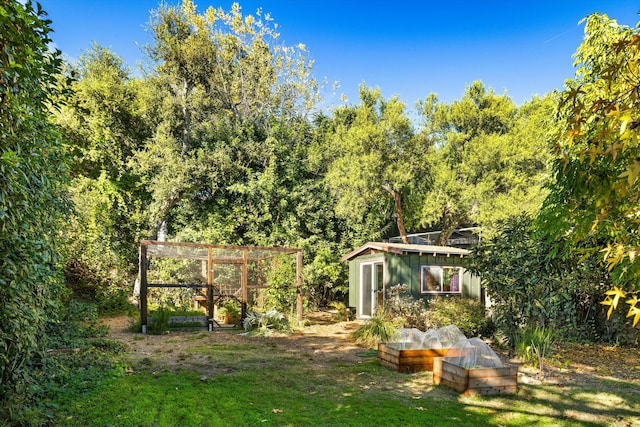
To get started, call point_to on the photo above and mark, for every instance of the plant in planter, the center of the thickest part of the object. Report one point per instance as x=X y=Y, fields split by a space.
x=230 y=312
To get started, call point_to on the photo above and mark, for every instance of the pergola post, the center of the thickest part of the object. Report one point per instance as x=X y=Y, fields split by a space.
x=210 y=308
x=143 y=287
x=299 y=285
x=244 y=282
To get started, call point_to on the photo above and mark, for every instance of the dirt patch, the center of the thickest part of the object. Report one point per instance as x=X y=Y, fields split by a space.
x=322 y=340
x=328 y=343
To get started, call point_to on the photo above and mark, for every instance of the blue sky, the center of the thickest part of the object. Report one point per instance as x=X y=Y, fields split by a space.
x=406 y=48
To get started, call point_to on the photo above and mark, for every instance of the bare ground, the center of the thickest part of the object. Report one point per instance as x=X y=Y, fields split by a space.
x=328 y=343
x=322 y=340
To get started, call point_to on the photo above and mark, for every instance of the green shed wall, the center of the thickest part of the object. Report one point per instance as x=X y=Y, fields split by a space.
x=405 y=269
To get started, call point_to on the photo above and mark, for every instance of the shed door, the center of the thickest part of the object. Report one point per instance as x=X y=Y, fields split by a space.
x=371 y=287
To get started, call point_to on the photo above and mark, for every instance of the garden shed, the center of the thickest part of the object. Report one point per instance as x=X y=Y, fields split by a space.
x=428 y=271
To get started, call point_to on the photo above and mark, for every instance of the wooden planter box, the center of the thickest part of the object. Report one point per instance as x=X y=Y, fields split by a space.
x=475 y=381
x=415 y=360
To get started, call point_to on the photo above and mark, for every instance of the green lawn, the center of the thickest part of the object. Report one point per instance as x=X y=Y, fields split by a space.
x=252 y=383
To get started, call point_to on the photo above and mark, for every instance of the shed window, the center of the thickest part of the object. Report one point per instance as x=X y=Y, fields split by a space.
x=438 y=279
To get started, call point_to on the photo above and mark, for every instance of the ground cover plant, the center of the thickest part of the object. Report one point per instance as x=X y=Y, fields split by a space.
x=318 y=376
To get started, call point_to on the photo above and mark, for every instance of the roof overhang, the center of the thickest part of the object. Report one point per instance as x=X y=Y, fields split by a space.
x=404 y=249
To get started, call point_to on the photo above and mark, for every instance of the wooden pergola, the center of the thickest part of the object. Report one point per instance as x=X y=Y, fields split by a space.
x=211 y=255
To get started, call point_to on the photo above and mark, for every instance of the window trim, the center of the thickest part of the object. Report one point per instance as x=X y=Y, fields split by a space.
x=425 y=267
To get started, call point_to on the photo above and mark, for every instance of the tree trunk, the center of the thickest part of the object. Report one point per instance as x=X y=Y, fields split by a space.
x=397 y=199
x=449 y=225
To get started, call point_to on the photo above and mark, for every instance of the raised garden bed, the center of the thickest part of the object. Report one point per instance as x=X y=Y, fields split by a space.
x=475 y=380
x=394 y=357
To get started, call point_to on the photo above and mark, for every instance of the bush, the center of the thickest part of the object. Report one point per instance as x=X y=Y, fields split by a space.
x=112 y=300
x=401 y=305
x=468 y=314
x=33 y=203
x=159 y=321
x=343 y=313
x=533 y=344
x=263 y=323
x=535 y=281
x=74 y=354
x=381 y=327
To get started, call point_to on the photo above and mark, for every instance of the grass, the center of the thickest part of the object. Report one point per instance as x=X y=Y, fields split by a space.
x=251 y=383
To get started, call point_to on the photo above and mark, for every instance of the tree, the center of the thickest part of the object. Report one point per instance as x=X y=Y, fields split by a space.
x=32 y=177
x=103 y=127
x=593 y=202
x=376 y=156
x=222 y=84
x=528 y=287
x=228 y=161
x=490 y=158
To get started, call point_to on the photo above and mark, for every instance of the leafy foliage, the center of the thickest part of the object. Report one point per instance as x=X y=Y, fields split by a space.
x=159 y=321
x=74 y=355
x=381 y=327
x=32 y=177
x=103 y=128
x=262 y=323
x=533 y=345
x=401 y=305
x=376 y=156
x=489 y=158
x=468 y=314
x=343 y=313
x=593 y=202
x=530 y=283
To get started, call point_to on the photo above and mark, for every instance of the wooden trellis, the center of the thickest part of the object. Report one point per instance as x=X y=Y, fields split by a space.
x=210 y=256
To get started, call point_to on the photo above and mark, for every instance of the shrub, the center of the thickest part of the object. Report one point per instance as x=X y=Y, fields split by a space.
x=468 y=314
x=231 y=311
x=112 y=300
x=381 y=327
x=343 y=313
x=32 y=197
x=263 y=323
x=533 y=344
x=401 y=305
x=535 y=281
x=159 y=321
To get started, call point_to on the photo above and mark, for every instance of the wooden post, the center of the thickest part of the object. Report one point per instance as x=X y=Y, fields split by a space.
x=210 y=308
x=143 y=287
x=244 y=279
x=299 y=285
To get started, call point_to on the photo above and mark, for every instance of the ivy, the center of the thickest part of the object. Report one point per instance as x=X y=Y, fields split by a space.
x=32 y=175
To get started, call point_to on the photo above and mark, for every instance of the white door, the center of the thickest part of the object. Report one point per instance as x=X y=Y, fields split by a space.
x=371 y=287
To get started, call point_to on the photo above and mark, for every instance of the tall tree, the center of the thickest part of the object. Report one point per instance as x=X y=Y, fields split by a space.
x=593 y=202
x=103 y=127
x=490 y=158
x=32 y=177
x=221 y=83
x=377 y=158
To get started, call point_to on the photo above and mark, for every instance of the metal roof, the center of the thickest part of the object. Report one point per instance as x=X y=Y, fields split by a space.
x=403 y=249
